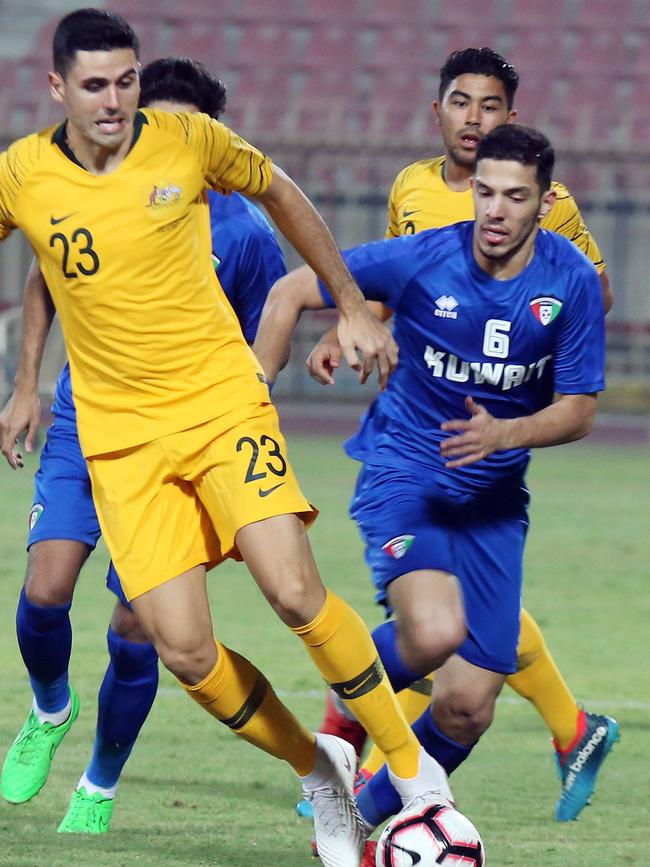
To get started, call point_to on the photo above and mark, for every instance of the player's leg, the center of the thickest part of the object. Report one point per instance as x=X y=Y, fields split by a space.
x=125 y=698
x=287 y=575
x=63 y=531
x=139 y=489
x=538 y=679
x=255 y=503
x=462 y=709
x=582 y=740
x=429 y=623
x=414 y=700
x=176 y=616
x=485 y=549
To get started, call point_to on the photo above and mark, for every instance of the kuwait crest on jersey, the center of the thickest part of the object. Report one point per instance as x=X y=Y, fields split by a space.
x=545 y=309
x=398 y=546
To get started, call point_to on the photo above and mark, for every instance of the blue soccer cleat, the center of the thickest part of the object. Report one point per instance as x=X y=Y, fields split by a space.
x=579 y=768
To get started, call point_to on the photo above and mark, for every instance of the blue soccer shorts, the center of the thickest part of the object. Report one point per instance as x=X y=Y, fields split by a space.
x=63 y=505
x=409 y=521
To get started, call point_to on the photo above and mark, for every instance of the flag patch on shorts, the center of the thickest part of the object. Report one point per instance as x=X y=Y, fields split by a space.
x=398 y=546
x=35 y=514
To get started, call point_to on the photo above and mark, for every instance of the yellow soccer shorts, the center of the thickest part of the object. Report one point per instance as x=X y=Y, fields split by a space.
x=179 y=501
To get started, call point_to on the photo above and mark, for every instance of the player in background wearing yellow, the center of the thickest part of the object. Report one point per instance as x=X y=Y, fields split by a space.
x=183 y=447
x=476 y=94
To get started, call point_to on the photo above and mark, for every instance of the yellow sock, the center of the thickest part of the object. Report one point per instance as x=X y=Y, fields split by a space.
x=539 y=680
x=413 y=700
x=239 y=696
x=339 y=643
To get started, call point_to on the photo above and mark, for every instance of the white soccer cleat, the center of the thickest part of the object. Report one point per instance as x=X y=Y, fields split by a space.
x=339 y=831
x=431 y=781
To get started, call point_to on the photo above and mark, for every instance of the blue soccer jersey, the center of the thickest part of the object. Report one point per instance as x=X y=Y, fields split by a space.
x=248 y=260
x=247 y=255
x=510 y=344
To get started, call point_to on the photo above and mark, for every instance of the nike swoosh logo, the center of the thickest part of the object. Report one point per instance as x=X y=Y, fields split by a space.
x=346 y=760
x=54 y=221
x=408 y=213
x=415 y=857
x=353 y=690
x=269 y=490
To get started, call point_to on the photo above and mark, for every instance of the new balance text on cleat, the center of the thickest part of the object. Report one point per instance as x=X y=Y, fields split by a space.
x=579 y=766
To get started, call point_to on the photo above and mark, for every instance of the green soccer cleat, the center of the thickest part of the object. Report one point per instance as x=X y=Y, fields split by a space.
x=27 y=764
x=87 y=814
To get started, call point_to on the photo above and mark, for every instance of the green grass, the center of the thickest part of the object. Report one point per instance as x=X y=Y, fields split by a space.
x=192 y=794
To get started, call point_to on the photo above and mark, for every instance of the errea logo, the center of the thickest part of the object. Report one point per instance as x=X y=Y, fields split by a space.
x=446 y=307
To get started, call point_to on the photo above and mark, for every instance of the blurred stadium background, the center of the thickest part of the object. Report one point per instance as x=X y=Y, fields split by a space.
x=338 y=92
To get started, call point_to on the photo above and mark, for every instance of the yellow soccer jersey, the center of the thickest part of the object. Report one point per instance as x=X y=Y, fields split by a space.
x=153 y=344
x=420 y=199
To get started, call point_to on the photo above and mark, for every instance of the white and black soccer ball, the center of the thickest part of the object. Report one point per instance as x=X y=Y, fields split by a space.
x=427 y=835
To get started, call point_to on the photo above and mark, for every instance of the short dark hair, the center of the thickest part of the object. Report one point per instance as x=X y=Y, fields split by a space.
x=90 y=30
x=479 y=61
x=183 y=79
x=522 y=144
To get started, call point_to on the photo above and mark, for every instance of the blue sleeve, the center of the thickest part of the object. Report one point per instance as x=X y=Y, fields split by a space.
x=383 y=269
x=579 y=357
x=259 y=263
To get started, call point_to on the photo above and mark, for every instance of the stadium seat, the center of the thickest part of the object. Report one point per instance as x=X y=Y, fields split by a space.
x=396 y=46
x=195 y=38
x=331 y=46
x=268 y=44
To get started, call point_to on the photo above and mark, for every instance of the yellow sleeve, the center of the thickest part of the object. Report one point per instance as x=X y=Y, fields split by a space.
x=9 y=187
x=392 y=230
x=228 y=161
x=565 y=219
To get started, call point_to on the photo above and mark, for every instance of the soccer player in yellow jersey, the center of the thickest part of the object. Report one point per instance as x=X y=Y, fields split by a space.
x=476 y=94
x=183 y=447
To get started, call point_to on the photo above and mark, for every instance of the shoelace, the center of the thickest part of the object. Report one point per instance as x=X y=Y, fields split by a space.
x=83 y=808
x=333 y=810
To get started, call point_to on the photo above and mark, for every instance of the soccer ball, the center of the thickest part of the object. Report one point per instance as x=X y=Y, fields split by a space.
x=429 y=834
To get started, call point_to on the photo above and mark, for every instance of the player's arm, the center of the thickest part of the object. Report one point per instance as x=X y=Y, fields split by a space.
x=606 y=290
x=325 y=357
x=292 y=294
x=304 y=228
x=569 y=418
x=22 y=411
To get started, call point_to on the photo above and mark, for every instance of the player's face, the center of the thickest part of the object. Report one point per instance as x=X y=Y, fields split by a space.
x=100 y=94
x=508 y=204
x=472 y=106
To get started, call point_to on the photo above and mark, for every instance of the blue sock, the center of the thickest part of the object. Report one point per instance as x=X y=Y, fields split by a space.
x=378 y=800
x=385 y=638
x=125 y=699
x=45 y=642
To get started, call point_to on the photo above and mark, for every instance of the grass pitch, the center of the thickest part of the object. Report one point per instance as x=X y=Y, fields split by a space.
x=192 y=794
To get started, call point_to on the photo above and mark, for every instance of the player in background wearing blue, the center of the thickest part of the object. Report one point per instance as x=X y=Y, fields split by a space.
x=64 y=528
x=477 y=93
x=512 y=360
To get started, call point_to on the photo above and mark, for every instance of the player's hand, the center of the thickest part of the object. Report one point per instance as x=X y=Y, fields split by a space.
x=478 y=436
x=22 y=412
x=323 y=360
x=362 y=331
